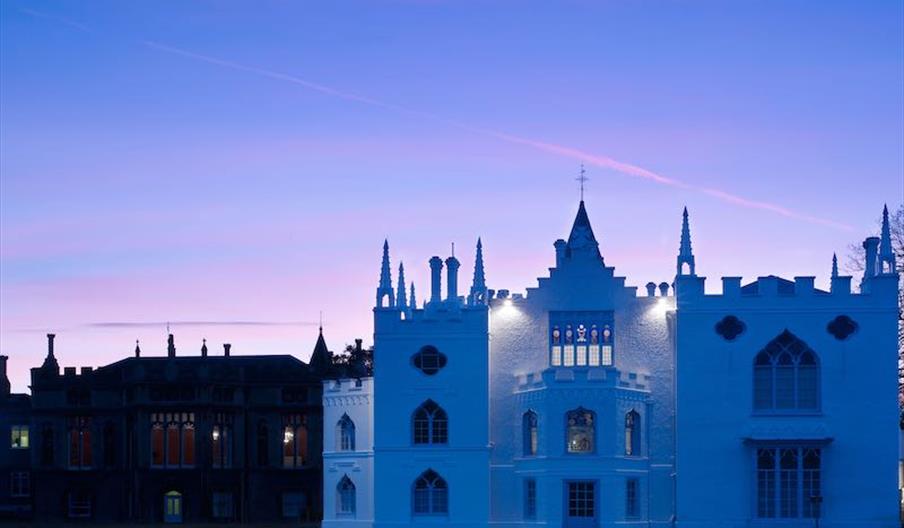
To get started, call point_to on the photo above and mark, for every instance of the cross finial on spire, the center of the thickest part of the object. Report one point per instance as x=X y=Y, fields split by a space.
x=582 y=178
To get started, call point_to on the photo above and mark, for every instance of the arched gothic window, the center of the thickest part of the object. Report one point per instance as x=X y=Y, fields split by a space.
x=529 y=433
x=345 y=495
x=632 y=433
x=786 y=376
x=345 y=432
x=431 y=494
x=579 y=424
x=431 y=425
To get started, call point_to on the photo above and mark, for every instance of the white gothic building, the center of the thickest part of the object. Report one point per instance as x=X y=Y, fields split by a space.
x=585 y=403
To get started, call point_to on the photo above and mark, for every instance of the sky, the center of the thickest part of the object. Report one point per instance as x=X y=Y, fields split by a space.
x=233 y=168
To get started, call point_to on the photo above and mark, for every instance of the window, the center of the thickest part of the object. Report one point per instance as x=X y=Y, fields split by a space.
x=222 y=505
x=79 y=505
x=529 y=433
x=80 y=455
x=18 y=437
x=429 y=360
x=221 y=441
x=345 y=495
x=345 y=432
x=109 y=445
x=632 y=434
x=580 y=339
x=295 y=441
x=173 y=440
x=293 y=505
x=632 y=506
x=786 y=376
x=20 y=484
x=46 y=445
x=579 y=431
x=788 y=482
x=431 y=425
x=530 y=498
x=581 y=499
x=431 y=494
x=263 y=443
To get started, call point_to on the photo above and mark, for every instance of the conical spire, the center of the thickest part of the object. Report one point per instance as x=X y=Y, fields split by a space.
x=582 y=239
x=685 y=253
x=478 y=293
x=834 y=265
x=412 y=300
x=321 y=358
x=384 y=290
x=886 y=252
x=401 y=301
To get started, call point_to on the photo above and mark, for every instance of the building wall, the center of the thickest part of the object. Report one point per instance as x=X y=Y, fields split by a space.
x=855 y=425
x=352 y=397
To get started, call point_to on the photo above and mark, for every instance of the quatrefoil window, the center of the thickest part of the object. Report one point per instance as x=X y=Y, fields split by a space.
x=730 y=327
x=429 y=360
x=841 y=327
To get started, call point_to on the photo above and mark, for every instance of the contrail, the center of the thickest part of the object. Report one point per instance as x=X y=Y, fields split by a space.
x=560 y=150
x=162 y=324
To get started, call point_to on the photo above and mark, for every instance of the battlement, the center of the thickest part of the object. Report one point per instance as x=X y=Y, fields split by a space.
x=877 y=292
x=346 y=386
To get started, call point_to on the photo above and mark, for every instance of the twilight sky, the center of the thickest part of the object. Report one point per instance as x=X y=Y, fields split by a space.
x=234 y=167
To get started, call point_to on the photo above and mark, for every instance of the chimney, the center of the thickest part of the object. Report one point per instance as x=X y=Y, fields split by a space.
x=871 y=245
x=651 y=289
x=452 y=279
x=50 y=338
x=560 y=251
x=4 y=380
x=359 y=345
x=226 y=348
x=50 y=362
x=170 y=346
x=436 y=270
x=664 y=289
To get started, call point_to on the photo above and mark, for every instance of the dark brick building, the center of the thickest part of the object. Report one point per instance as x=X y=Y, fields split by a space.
x=166 y=439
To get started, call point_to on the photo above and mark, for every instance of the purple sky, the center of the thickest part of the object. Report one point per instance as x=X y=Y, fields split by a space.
x=222 y=162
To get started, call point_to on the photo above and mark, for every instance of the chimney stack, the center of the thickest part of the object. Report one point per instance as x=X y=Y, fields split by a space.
x=452 y=266
x=226 y=348
x=170 y=346
x=651 y=289
x=436 y=270
x=50 y=338
x=359 y=345
x=871 y=245
x=4 y=380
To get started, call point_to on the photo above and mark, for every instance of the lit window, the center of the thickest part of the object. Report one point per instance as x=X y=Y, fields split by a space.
x=632 y=434
x=173 y=439
x=786 y=376
x=529 y=433
x=80 y=453
x=345 y=493
x=530 y=499
x=20 y=484
x=632 y=507
x=431 y=494
x=579 y=431
x=788 y=482
x=295 y=441
x=431 y=425
x=346 y=433
x=221 y=441
x=19 y=437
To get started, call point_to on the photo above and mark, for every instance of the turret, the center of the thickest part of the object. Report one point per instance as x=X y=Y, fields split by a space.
x=478 y=294
x=436 y=271
x=412 y=301
x=401 y=300
x=321 y=358
x=834 y=265
x=685 y=254
x=886 y=264
x=384 y=290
